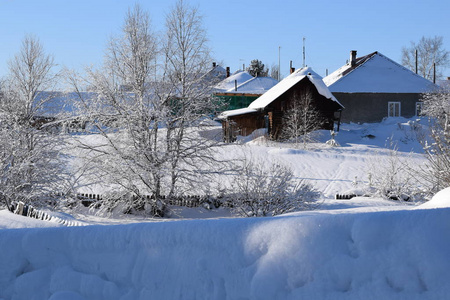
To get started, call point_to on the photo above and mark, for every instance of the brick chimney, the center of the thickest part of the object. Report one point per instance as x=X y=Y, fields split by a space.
x=292 y=70
x=352 y=58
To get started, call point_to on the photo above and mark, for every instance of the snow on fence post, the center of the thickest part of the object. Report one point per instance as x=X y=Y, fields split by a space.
x=19 y=208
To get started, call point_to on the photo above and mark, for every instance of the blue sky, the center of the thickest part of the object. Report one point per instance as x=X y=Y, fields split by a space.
x=76 y=32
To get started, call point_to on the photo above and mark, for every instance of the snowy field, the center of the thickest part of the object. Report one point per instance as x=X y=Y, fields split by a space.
x=363 y=248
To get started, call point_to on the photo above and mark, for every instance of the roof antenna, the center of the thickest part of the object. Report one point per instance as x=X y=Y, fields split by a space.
x=304 y=51
x=279 y=51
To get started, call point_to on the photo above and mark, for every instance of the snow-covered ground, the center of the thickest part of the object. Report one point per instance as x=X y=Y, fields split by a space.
x=363 y=248
x=330 y=170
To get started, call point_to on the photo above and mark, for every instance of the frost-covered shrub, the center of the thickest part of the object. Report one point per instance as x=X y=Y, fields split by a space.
x=437 y=150
x=393 y=177
x=269 y=190
x=129 y=203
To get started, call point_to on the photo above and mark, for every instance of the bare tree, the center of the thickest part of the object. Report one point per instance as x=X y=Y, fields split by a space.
x=301 y=118
x=29 y=157
x=187 y=61
x=430 y=51
x=124 y=110
x=274 y=72
x=146 y=113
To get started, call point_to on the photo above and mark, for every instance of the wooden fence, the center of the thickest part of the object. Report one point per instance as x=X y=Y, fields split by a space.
x=344 y=196
x=87 y=199
x=23 y=209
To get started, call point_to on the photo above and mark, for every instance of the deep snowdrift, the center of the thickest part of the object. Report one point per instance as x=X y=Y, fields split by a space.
x=317 y=255
x=363 y=248
x=441 y=199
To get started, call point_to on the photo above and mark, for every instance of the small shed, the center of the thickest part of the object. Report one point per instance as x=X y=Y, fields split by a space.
x=268 y=110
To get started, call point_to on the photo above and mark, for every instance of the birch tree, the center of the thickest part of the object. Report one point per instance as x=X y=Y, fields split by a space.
x=430 y=51
x=144 y=103
x=123 y=110
x=187 y=59
x=29 y=156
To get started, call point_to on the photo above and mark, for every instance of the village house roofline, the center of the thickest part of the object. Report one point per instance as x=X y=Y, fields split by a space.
x=230 y=82
x=380 y=81
x=288 y=82
x=255 y=85
x=282 y=87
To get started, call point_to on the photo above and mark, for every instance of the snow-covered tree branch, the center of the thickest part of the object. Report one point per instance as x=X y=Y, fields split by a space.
x=437 y=150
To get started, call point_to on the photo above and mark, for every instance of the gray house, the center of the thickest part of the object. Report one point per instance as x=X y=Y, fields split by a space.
x=373 y=87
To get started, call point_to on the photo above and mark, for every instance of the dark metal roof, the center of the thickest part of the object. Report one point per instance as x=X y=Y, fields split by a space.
x=359 y=61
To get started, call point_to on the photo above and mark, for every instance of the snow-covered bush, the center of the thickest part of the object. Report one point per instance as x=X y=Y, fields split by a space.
x=392 y=176
x=269 y=190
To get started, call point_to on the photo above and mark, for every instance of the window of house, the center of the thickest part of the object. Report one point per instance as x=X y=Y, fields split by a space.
x=394 y=109
x=419 y=107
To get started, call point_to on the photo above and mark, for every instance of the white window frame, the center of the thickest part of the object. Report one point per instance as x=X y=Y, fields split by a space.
x=419 y=109
x=394 y=112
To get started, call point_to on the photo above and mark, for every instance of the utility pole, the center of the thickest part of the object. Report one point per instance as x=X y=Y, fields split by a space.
x=304 y=51
x=416 y=61
x=434 y=73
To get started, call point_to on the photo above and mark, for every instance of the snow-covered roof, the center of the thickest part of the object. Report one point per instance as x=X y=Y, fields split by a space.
x=215 y=75
x=376 y=73
x=288 y=83
x=255 y=85
x=54 y=104
x=236 y=112
x=229 y=83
